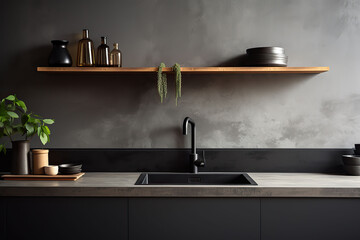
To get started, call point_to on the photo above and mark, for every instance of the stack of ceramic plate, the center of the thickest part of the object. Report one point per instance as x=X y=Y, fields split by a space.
x=352 y=162
x=70 y=168
x=266 y=57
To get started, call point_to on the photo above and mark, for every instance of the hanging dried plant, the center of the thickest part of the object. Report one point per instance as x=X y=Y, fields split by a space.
x=162 y=83
x=177 y=69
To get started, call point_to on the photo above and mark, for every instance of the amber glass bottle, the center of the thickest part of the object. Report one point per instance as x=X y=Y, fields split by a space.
x=116 y=56
x=103 y=57
x=86 y=53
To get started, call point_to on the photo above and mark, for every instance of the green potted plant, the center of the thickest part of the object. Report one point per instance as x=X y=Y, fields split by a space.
x=16 y=120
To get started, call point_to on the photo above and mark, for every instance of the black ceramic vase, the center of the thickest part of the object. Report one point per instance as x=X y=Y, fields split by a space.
x=20 y=157
x=60 y=56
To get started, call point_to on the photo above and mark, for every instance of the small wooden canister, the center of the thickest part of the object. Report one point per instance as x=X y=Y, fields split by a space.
x=40 y=159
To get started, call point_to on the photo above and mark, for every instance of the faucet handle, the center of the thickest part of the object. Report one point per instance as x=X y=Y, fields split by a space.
x=201 y=162
x=203 y=157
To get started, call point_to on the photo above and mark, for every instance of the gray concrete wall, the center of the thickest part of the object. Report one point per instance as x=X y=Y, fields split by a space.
x=254 y=111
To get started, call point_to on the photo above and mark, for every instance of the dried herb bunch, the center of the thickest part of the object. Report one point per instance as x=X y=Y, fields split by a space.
x=162 y=82
x=177 y=69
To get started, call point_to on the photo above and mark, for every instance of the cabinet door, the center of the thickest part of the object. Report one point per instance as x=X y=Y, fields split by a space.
x=317 y=219
x=66 y=218
x=2 y=218
x=194 y=218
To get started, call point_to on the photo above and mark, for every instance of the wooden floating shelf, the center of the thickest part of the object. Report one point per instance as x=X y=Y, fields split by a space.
x=213 y=70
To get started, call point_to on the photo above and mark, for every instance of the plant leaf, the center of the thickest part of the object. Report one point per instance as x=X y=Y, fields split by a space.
x=8 y=130
x=30 y=119
x=12 y=114
x=22 y=105
x=1 y=124
x=10 y=98
x=37 y=121
x=43 y=138
x=48 y=121
x=30 y=129
x=46 y=130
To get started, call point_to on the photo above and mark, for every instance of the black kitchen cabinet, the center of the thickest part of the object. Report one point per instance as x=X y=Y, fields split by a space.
x=2 y=218
x=179 y=218
x=310 y=218
x=194 y=218
x=66 y=218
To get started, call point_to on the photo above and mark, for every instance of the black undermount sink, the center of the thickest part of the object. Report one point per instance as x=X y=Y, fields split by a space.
x=195 y=179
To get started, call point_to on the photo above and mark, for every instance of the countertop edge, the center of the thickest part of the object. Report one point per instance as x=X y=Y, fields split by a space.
x=180 y=192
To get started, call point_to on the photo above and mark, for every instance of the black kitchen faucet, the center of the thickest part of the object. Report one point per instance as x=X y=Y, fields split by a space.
x=194 y=161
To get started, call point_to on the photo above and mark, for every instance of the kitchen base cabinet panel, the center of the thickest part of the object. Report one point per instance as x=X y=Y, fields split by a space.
x=66 y=218
x=2 y=218
x=194 y=218
x=314 y=218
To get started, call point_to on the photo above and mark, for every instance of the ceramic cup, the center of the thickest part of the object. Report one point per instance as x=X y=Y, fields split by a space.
x=51 y=170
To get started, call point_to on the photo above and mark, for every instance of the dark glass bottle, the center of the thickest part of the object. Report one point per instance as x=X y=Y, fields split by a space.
x=103 y=56
x=86 y=52
x=116 y=56
x=60 y=56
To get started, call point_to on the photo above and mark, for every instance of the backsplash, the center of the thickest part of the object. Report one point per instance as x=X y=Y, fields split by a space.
x=217 y=160
x=230 y=111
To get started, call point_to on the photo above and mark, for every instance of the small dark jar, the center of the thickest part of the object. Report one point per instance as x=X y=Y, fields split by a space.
x=60 y=56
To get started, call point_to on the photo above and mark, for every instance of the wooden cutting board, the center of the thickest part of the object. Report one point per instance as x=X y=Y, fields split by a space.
x=72 y=177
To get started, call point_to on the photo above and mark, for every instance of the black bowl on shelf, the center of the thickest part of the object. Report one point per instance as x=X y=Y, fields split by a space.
x=265 y=50
x=266 y=57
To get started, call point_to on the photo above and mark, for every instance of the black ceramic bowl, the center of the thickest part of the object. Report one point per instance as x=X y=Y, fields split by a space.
x=261 y=50
x=67 y=172
x=70 y=166
x=351 y=160
x=352 y=170
x=268 y=56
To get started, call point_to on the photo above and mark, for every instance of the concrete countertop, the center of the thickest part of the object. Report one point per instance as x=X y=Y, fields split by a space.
x=122 y=185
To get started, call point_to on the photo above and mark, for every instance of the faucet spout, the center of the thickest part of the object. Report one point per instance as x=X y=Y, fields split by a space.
x=193 y=155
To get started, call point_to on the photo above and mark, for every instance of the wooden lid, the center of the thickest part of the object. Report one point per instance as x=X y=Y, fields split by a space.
x=40 y=151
